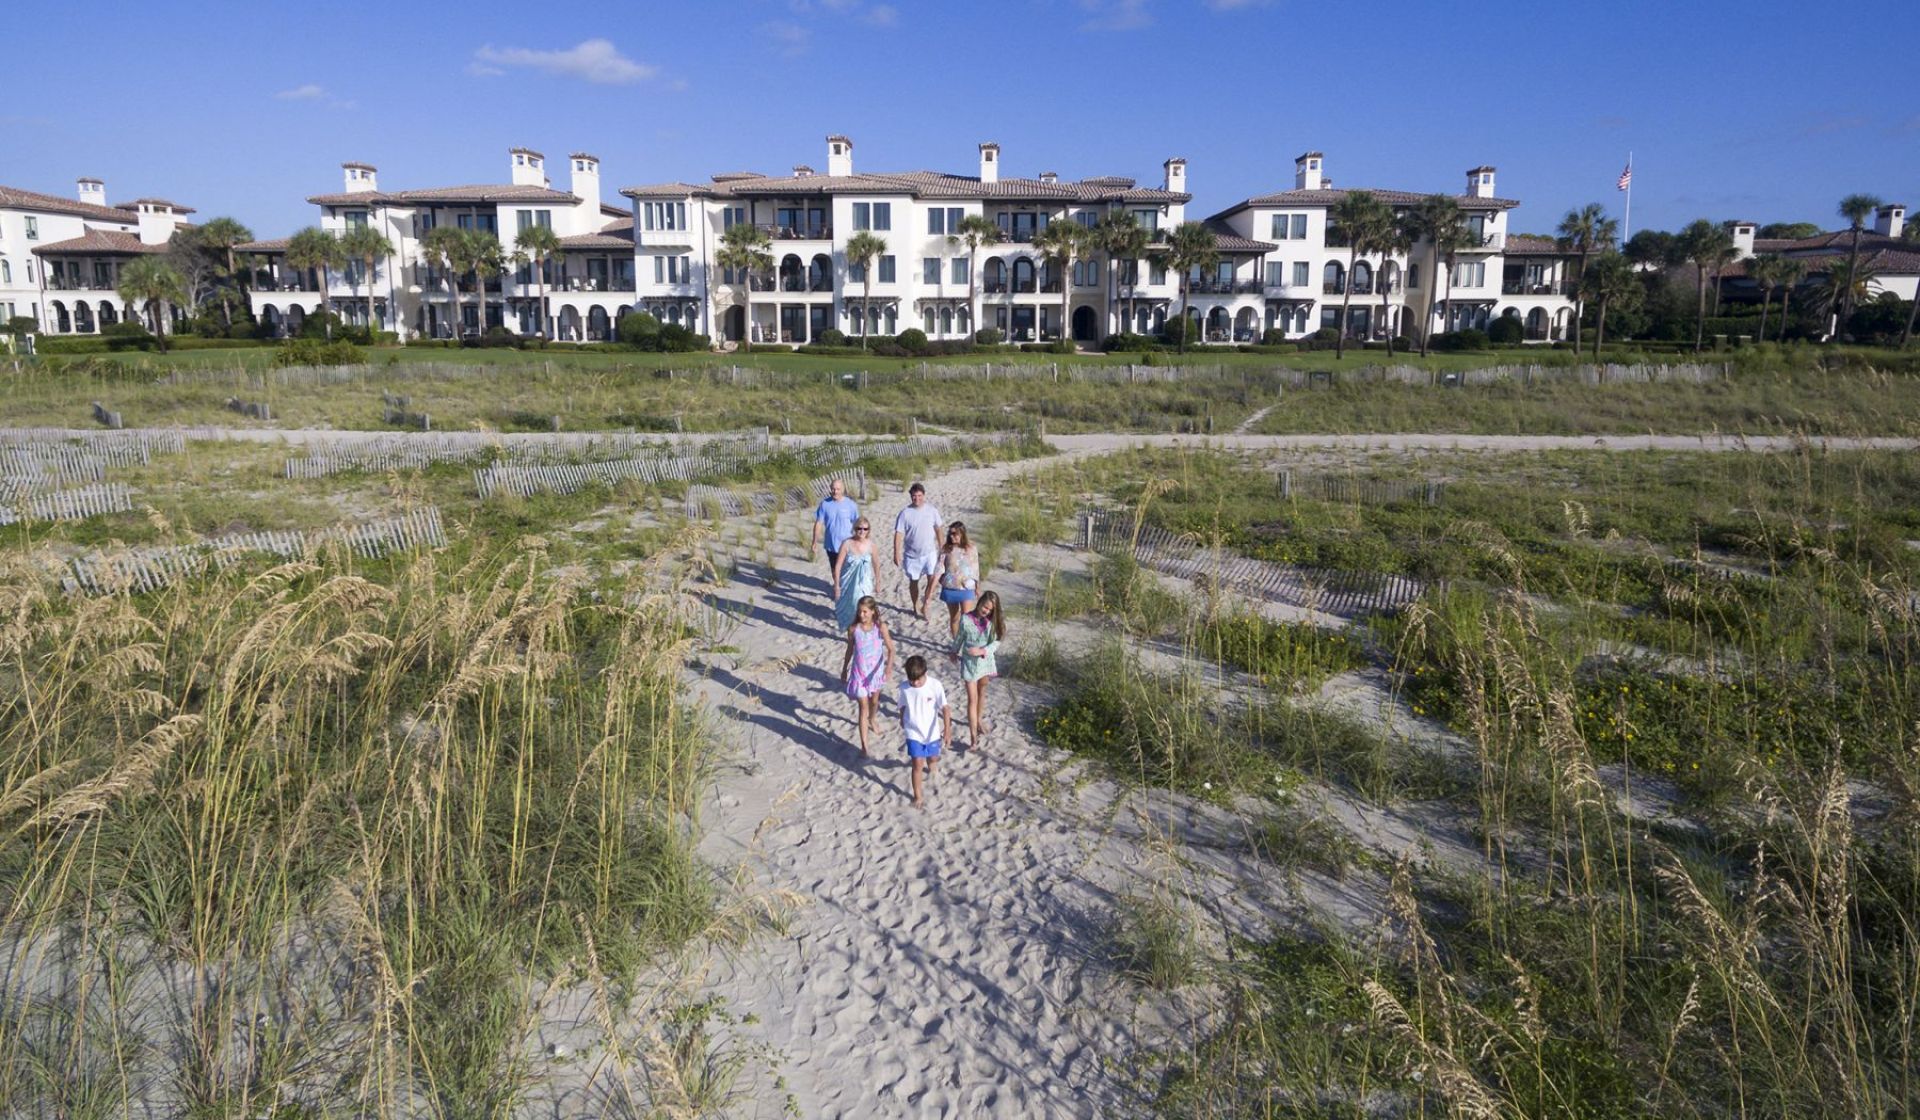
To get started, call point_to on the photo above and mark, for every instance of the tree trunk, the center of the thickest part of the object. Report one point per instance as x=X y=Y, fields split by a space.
x=973 y=303
x=226 y=297
x=1846 y=297
x=1184 y=326
x=1446 y=301
x=1906 y=333
x=1786 y=300
x=1766 y=298
x=1386 y=311
x=1346 y=304
x=326 y=298
x=1599 y=330
x=1426 y=326
x=1579 y=299
x=1066 y=300
x=866 y=303
x=1700 y=309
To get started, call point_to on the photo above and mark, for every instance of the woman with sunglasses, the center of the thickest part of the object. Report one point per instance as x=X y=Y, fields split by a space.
x=853 y=574
x=959 y=575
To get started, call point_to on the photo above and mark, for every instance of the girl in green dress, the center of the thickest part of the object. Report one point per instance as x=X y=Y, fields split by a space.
x=980 y=632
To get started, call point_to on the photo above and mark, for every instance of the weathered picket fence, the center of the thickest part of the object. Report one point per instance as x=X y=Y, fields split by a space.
x=118 y=448
x=1346 y=594
x=71 y=504
x=1348 y=490
x=712 y=501
x=149 y=569
x=392 y=451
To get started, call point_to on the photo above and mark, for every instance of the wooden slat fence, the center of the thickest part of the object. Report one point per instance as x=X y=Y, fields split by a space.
x=148 y=569
x=712 y=501
x=73 y=504
x=1347 y=594
x=1348 y=490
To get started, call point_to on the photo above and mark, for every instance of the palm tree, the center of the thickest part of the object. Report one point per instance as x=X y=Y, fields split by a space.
x=862 y=250
x=1844 y=286
x=744 y=249
x=1586 y=231
x=156 y=284
x=316 y=248
x=539 y=243
x=974 y=231
x=1856 y=209
x=221 y=235
x=441 y=248
x=1709 y=247
x=1191 y=245
x=1122 y=238
x=1788 y=272
x=483 y=256
x=1611 y=282
x=1063 y=242
x=1396 y=240
x=1764 y=270
x=368 y=246
x=1364 y=221
x=1443 y=225
x=1911 y=233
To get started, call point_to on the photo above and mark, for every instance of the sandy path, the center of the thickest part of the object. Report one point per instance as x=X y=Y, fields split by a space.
x=944 y=963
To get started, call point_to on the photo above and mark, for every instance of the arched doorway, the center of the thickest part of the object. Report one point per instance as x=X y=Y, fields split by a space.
x=598 y=325
x=1243 y=324
x=793 y=274
x=296 y=318
x=996 y=276
x=60 y=321
x=1022 y=274
x=570 y=324
x=83 y=317
x=1086 y=325
x=1333 y=279
x=108 y=316
x=734 y=324
x=1217 y=325
x=820 y=273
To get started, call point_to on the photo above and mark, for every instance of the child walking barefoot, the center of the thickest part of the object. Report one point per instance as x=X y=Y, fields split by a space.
x=980 y=632
x=868 y=662
x=922 y=699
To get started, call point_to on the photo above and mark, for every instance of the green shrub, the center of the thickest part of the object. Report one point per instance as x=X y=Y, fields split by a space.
x=316 y=352
x=640 y=331
x=128 y=335
x=913 y=340
x=676 y=339
x=1176 y=330
x=1129 y=342
x=1507 y=330
x=1456 y=341
x=21 y=325
x=1274 y=336
x=832 y=336
x=988 y=336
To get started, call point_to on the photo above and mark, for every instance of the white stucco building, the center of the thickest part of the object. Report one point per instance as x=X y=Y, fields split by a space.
x=60 y=258
x=926 y=277
x=587 y=287
x=1886 y=254
x=1302 y=280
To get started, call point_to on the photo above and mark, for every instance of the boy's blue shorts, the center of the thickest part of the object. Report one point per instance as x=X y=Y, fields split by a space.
x=917 y=749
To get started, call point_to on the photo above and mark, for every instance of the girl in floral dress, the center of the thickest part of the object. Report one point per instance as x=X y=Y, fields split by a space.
x=865 y=668
x=980 y=632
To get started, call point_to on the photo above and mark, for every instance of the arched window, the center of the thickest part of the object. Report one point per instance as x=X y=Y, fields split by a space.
x=1332 y=278
x=1389 y=277
x=6 y=272
x=1022 y=274
x=928 y=317
x=966 y=321
x=820 y=274
x=893 y=319
x=1362 y=278
x=946 y=320
x=996 y=277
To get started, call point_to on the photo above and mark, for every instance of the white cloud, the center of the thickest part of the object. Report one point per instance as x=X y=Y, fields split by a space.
x=790 y=39
x=1115 y=15
x=595 y=60
x=315 y=93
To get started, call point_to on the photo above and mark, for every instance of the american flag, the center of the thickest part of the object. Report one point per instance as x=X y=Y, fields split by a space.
x=1625 y=180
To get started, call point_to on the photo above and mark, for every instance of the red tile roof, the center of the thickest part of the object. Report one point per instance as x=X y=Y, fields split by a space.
x=1328 y=196
x=1534 y=245
x=14 y=198
x=919 y=184
x=138 y=202
x=270 y=245
x=477 y=193
x=100 y=242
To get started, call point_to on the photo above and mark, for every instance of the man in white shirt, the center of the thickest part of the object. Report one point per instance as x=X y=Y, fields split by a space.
x=916 y=547
x=923 y=711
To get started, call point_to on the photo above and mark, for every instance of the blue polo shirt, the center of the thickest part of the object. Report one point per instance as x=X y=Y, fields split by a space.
x=838 y=516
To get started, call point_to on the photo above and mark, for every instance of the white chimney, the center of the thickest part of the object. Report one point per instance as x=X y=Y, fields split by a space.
x=1049 y=177
x=1175 y=178
x=529 y=167
x=360 y=177
x=1742 y=233
x=801 y=171
x=1480 y=182
x=157 y=220
x=1891 y=220
x=989 y=162
x=839 y=155
x=93 y=192
x=1307 y=171
x=584 y=180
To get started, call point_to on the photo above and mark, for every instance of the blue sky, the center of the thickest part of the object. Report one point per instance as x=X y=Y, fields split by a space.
x=1765 y=110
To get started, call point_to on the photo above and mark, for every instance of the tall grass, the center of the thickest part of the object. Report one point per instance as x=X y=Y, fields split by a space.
x=306 y=838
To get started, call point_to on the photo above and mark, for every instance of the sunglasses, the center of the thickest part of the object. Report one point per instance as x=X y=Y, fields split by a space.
x=863 y=528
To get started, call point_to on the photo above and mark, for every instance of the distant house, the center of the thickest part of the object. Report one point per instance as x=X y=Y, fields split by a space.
x=1893 y=261
x=60 y=258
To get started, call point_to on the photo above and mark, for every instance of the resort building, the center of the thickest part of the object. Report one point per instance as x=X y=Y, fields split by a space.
x=927 y=275
x=1887 y=258
x=60 y=259
x=1301 y=278
x=584 y=289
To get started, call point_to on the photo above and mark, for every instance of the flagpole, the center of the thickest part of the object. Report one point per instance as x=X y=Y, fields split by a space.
x=1627 y=225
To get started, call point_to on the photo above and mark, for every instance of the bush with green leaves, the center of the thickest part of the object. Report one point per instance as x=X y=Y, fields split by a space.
x=127 y=335
x=832 y=336
x=913 y=340
x=1456 y=341
x=1507 y=330
x=640 y=331
x=1274 y=336
x=989 y=336
x=317 y=352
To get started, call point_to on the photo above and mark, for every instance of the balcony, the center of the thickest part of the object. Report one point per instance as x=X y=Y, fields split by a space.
x=1523 y=288
x=799 y=233
x=994 y=287
x=66 y=285
x=1490 y=243
x=1332 y=288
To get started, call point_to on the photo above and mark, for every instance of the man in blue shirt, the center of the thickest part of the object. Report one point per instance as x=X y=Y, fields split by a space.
x=836 y=514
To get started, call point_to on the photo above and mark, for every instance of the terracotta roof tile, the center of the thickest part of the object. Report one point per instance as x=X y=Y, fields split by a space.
x=1328 y=196
x=1534 y=245
x=98 y=242
x=476 y=193
x=138 y=202
x=270 y=245
x=18 y=199
x=920 y=184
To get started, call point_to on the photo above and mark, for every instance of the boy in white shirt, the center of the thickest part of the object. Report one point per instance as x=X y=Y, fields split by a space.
x=922 y=699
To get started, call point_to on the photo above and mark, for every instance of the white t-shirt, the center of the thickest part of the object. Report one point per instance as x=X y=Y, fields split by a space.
x=920 y=709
